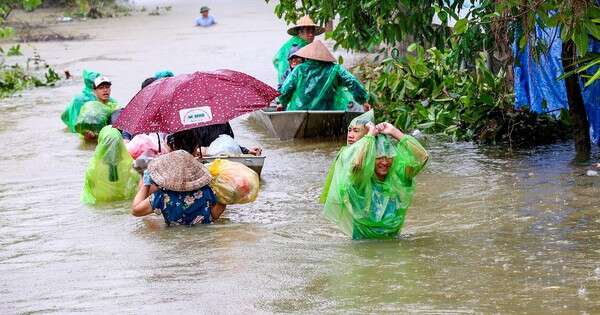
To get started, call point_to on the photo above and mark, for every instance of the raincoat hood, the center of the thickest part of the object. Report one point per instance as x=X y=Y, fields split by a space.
x=385 y=146
x=363 y=119
x=109 y=176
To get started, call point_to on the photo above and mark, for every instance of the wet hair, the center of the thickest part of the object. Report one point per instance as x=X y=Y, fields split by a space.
x=148 y=81
x=187 y=140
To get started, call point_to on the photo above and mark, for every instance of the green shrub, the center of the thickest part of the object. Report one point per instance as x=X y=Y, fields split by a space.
x=425 y=90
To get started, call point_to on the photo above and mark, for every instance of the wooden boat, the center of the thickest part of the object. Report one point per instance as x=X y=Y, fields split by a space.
x=254 y=162
x=303 y=124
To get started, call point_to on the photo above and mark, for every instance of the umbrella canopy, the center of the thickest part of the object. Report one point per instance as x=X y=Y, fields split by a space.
x=193 y=100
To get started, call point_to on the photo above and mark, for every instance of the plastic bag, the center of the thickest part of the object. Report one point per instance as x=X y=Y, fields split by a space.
x=224 y=145
x=109 y=176
x=141 y=144
x=93 y=117
x=233 y=182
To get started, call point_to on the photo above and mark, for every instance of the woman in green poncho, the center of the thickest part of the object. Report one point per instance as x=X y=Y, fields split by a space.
x=109 y=176
x=303 y=33
x=373 y=182
x=314 y=84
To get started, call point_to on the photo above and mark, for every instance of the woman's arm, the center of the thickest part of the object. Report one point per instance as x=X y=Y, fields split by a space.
x=141 y=203
x=216 y=210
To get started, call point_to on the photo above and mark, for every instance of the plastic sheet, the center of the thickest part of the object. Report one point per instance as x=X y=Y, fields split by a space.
x=233 y=183
x=536 y=85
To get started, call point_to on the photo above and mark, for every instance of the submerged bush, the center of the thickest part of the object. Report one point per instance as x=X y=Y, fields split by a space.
x=425 y=90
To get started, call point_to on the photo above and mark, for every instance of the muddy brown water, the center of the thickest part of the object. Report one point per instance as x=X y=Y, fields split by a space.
x=488 y=232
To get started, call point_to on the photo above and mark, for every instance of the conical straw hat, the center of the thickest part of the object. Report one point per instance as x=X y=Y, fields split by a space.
x=179 y=171
x=305 y=21
x=316 y=51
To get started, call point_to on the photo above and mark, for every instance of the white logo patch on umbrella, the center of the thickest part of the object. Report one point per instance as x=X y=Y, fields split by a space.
x=195 y=115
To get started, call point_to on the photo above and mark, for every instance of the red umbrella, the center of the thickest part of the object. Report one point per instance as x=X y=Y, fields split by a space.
x=194 y=100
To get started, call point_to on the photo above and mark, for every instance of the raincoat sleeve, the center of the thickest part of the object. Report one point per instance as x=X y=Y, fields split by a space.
x=348 y=195
x=410 y=159
x=329 y=177
x=354 y=86
x=289 y=86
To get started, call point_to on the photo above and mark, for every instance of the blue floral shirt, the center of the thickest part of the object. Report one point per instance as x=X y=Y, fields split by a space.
x=186 y=208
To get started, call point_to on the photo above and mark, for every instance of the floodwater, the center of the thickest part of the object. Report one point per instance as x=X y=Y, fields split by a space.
x=488 y=232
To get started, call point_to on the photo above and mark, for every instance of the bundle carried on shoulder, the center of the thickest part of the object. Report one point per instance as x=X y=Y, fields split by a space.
x=233 y=182
x=93 y=117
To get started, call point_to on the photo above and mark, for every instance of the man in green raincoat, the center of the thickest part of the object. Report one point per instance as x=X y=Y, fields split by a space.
x=303 y=33
x=96 y=114
x=70 y=114
x=373 y=182
x=314 y=84
x=356 y=130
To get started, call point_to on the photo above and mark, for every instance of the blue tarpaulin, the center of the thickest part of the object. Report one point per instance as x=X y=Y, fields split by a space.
x=536 y=85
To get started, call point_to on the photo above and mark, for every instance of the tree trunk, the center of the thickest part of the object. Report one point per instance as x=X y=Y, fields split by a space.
x=581 y=126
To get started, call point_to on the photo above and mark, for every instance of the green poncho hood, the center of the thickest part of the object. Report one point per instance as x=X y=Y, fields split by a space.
x=363 y=119
x=110 y=176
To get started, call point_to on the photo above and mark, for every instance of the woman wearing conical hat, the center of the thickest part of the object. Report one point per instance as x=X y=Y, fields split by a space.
x=312 y=85
x=303 y=33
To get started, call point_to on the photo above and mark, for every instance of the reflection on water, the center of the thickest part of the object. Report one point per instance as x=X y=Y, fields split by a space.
x=489 y=231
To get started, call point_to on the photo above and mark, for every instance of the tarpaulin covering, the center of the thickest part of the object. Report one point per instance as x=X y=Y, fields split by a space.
x=536 y=85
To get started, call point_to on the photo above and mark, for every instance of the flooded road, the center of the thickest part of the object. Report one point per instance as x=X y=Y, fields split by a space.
x=488 y=232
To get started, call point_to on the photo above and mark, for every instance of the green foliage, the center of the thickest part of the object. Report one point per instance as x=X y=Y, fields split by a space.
x=14 y=78
x=426 y=91
x=14 y=51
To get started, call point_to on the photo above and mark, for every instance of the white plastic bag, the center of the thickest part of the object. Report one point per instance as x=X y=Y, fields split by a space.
x=224 y=145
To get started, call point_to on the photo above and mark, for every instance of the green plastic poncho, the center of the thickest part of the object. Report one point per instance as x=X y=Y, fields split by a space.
x=93 y=116
x=164 y=74
x=69 y=116
x=313 y=85
x=110 y=176
x=363 y=206
x=280 y=60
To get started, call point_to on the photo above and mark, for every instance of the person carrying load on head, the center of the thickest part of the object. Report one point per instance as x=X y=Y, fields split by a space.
x=71 y=112
x=303 y=33
x=109 y=176
x=94 y=115
x=373 y=183
x=313 y=84
x=356 y=130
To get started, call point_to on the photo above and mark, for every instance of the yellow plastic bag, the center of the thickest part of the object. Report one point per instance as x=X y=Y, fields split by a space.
x=233 y=182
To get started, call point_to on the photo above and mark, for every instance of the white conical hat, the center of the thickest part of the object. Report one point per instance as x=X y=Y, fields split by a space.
x=316 y=51
x=305 y=21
